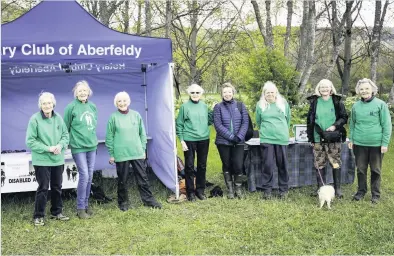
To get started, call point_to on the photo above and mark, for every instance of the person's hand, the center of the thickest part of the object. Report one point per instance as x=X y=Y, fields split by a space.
x=52 y=149
x=111 y=160
x=58 y=149
x=184 y=146
x=350 y=145
x=383 y=149
x=312 y=144
x=331 y=128
x=236 y=139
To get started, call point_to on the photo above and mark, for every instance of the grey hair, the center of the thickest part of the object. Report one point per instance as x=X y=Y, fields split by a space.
x=366 y=81
x=229 y=85
x=46 y=95
x=280 y=101
x=120 y=94
x=82 y=83
x=325 y=82
x=194 y=88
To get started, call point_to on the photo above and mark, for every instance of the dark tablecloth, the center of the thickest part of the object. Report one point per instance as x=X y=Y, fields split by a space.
x=300 y=166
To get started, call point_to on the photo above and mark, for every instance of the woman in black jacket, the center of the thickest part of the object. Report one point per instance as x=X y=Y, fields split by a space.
x=327 y=113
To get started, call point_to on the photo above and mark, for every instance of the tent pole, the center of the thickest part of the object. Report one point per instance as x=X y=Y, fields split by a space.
x=143 y=69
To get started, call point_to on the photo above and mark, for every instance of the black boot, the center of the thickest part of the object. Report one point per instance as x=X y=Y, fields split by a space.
x=320 y=181
x=229 y=183
x=337 y=182
x=238 y=179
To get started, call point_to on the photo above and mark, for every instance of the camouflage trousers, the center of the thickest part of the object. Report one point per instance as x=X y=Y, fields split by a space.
x=327 y=151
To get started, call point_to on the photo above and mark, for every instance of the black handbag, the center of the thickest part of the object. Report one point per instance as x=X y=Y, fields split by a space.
x=328 y=136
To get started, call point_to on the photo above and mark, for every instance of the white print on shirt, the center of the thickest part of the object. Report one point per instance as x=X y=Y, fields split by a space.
x=88 y=118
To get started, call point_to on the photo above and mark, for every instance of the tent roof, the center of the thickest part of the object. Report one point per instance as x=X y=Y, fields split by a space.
x=61 y=23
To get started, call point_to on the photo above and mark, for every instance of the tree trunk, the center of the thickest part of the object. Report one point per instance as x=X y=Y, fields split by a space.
x=288 y=27
x=193 y=42
x=139 y=16
x=126 y=17
x=258 y=19
x=347 y=55
x=269 y=42
x=168 y=18
x=376 y=34
x=148 y=18
x=391 y=95
x=301 y=61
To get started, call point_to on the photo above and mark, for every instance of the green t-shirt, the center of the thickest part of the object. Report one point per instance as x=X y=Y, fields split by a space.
x=273 y=124
x=325 y=115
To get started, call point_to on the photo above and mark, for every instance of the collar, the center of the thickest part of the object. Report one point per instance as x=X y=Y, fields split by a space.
x=44 y=116
x=369 y=99
x=81 y=101
x=195 y=102
x=124 y=112
x=228 y=101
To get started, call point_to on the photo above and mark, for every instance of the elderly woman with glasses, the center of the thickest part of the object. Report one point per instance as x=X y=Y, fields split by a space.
x=370 y=132
x=326 y=113
x=126 y=143
x=192 y=128
x=47 y=137
x=273 y=119
x=231 y=123
x=80 y=117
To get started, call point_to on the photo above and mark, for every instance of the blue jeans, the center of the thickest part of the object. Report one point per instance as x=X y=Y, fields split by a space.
x=85 y=163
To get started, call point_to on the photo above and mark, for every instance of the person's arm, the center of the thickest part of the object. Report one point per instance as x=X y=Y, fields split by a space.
x=288 y=116
x=220 y=128
x=258 y=116
x=352 y=123
x=65 y=138
x=343 y=116
x=309 y=124
x=68 y=116
x=32 y=141
x=142 y=132
x=385 y=121
x=210 y=116
x=245 y=123
x=180 y=123
x=109 y=137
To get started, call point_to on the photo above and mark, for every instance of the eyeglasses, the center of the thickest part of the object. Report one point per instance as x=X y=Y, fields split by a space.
x=195 y=92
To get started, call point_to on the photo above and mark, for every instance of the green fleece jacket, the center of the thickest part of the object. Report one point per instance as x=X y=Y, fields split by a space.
x=42 y=133
x=193 y=121
x=370 y=123
x=126 y=137
x=273 y=124
x=81 y=122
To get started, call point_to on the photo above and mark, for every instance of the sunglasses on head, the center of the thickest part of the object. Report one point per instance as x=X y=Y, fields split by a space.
x=195 y=92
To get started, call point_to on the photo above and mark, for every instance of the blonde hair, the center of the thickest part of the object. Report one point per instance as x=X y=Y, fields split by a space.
x=46 y=95
x=327 y=83
x=366 y=81
x=229 y=85
x=194 y=88
x=280 y=101
x=122 y=94
x=82 y=83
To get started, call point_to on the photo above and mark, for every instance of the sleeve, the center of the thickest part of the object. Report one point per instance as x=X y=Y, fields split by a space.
x=245 y=123
x=32 y=140
x=68 y=116
x=342 y=120
x=288 y=116
x=385 y=121
x=210 y=117
x=352 y=123
x=258 y=116
x=309 y=124
x=142 y=132
x=65 y=138
x=109 y=137
x=180 y=123
x=220 y=128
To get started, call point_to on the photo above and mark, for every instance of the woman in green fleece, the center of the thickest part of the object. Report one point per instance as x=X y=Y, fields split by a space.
x=80 y=117
x=370 y=132
x=273 y=119
x=193 y=132
x=47 y=137
x=126 y=143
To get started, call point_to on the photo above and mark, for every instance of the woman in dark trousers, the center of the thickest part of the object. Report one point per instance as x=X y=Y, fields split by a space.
x=47 y=137
x=328 y=112
x=231 y=123
x=370 y=133
x=273 y=119
x=192 y=128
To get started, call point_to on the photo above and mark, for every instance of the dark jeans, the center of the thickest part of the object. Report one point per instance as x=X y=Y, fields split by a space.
x=232 y=157
x=139 y=170
x=201 y=148
x=372 y=156
x=53 y=176
x=272 y=154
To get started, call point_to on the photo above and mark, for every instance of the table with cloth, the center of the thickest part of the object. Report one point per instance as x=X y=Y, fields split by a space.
x=300 y=166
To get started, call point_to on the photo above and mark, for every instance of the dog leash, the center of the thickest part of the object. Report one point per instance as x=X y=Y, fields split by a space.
x=321 y=178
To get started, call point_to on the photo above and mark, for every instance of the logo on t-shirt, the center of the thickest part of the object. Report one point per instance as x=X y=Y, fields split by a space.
x=88 y=118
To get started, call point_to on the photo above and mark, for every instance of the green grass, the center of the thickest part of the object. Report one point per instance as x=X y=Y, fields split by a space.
x=216 y=226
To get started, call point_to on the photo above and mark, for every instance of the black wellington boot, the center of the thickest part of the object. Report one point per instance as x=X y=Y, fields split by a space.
x=238 y=179
x=229 y=183
x=337 y=182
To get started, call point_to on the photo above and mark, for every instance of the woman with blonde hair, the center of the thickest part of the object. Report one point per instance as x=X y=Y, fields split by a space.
x=192 y=128
x=273 y=119
x=325 y=129
x=370 y=133
x=80 y=117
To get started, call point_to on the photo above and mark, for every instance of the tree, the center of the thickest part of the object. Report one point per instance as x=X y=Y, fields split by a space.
x=288 y=27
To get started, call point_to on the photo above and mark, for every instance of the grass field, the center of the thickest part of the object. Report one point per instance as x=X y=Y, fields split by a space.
x=215 y=226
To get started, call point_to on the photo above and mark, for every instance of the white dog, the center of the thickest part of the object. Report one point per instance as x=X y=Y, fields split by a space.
x=326 y=194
